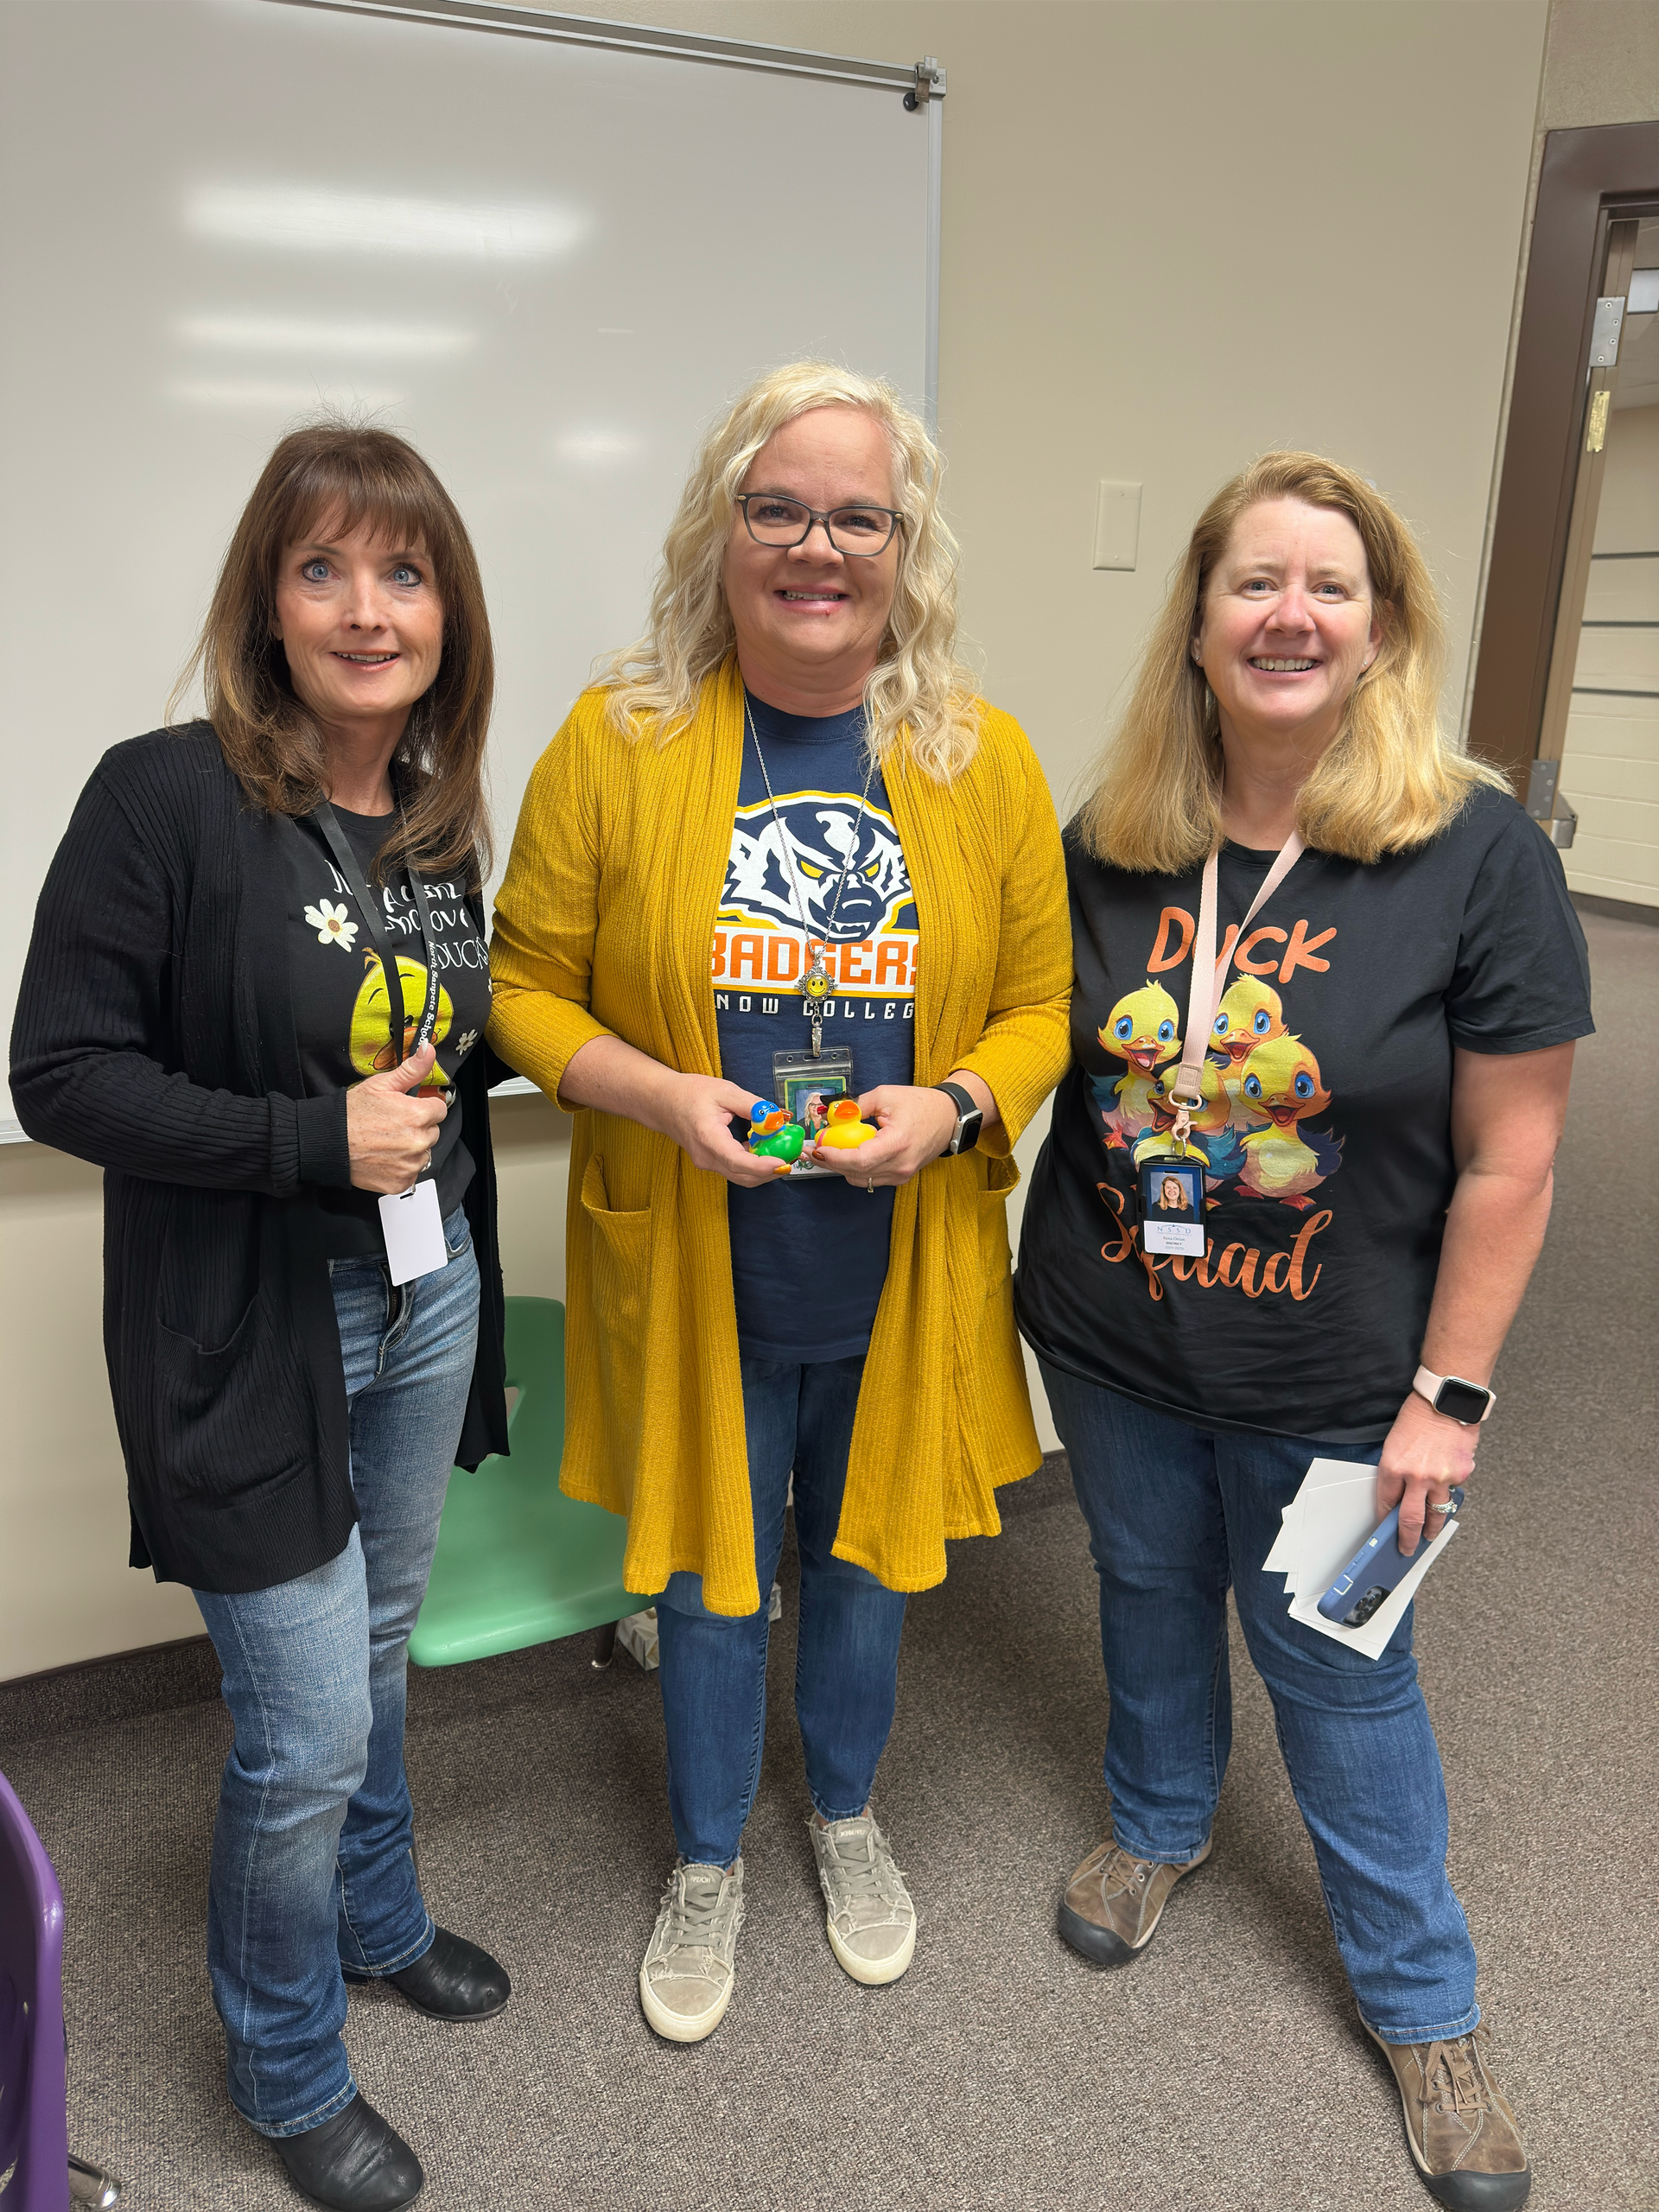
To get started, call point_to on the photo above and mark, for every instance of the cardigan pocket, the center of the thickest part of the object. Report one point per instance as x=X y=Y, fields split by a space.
x=1000 y=1177
x=621 y=1278
x=222 y=1420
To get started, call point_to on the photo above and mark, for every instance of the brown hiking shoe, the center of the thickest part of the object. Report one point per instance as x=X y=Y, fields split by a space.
x=1461 y=2128
x=1114 y=1902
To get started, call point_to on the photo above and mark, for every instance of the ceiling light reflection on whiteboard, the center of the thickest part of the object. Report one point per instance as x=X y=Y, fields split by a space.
x=315 y=219
x=248 y=391
x=269 y=334
x=598 y=449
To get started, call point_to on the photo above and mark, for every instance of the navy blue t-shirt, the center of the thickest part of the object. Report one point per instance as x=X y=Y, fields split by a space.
x=809 y=1253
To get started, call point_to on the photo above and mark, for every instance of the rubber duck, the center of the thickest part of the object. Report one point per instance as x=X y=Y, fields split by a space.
x=772 y=1135
x=845 y=1127
x=1281 y=1085
x=1141 y=1029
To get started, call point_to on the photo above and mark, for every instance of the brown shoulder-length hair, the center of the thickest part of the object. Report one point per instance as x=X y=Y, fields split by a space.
x=343 y=477
x=1391 y=779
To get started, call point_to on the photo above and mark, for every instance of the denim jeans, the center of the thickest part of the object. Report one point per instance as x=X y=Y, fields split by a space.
x=1175 y=1512
x=312 y=1868
x=713 y=1667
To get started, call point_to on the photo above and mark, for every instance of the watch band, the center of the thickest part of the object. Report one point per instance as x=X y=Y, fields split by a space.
x=1433 y=1387
x=970 y=1118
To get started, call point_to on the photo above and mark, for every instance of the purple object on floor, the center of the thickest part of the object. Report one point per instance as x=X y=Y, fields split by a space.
x=34 y=2124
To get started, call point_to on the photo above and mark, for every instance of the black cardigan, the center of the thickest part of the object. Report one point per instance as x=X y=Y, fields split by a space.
x=154 y=1035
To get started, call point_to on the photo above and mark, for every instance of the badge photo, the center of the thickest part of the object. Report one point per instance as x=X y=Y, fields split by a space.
x=1172 y=1205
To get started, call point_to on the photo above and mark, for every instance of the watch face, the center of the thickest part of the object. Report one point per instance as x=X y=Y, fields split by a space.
x=1464 y=1402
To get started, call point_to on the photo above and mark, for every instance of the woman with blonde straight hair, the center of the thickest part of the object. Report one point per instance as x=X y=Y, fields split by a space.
x=1323 y=957
x=778 y=860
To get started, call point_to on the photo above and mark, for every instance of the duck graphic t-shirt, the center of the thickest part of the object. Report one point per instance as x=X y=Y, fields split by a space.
x=342 y=1012
x=810 y=1254
x=1325 y=1128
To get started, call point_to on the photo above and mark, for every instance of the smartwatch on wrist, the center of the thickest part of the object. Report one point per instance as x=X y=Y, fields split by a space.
x=1466 y=1403
x=969 y=1118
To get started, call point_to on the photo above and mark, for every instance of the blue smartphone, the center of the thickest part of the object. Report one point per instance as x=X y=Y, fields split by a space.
x=1370 y=1577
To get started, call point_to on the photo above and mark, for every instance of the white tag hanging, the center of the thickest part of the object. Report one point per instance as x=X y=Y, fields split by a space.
x=412 y=1225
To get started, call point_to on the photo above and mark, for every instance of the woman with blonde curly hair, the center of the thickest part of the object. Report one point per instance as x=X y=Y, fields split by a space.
x=1374 y=1099
x=781 y=856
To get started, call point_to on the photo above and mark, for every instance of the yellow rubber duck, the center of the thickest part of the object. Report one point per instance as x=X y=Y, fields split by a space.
x=845 y=1129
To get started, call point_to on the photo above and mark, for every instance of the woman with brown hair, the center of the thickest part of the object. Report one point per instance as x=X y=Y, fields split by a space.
x=1368 y=1115
x=254 y=995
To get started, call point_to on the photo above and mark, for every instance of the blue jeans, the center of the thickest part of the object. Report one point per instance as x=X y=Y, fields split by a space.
x=1175 y=1513
x=312 y=1868
x=713 y=1667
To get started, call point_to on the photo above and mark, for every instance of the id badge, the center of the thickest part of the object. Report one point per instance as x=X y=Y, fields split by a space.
x=1172 y=1205
x=806 y=1088
x=411 y=1222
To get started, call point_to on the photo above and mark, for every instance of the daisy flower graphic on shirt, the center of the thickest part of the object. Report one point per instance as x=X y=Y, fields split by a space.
x=331 y=923
x=466 y=1041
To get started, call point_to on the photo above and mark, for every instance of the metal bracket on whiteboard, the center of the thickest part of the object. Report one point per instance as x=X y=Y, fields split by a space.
x=641 y=38
x=929 y=85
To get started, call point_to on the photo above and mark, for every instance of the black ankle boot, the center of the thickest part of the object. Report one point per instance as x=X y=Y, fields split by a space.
x=356 y=2162
x=455 y=1980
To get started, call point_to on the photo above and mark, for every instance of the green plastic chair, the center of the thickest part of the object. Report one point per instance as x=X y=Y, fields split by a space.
x=518 y=1561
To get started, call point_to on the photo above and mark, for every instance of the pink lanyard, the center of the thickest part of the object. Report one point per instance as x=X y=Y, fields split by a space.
x=1186 y=1093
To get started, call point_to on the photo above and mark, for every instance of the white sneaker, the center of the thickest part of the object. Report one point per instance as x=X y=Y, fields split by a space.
x=870 y=1918
x=685 y=1978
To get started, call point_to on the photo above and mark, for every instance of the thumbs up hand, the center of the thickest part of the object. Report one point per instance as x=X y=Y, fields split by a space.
x=389 y=1132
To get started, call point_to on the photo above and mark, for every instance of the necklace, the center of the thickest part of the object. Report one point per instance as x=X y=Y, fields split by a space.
x=817 y=985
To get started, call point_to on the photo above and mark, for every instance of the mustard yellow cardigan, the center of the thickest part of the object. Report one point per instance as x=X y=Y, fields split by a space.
x=604 y=925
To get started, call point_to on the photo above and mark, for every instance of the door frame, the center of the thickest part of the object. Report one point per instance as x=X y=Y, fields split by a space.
x=1585 y=177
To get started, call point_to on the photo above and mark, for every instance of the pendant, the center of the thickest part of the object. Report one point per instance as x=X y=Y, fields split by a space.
x=816 y=986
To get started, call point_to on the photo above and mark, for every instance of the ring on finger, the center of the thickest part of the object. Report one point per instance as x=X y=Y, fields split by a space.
x=1439 y=1505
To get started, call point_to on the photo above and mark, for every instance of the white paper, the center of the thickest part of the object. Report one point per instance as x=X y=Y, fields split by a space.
x=412 y=1224
x=1321 y=1529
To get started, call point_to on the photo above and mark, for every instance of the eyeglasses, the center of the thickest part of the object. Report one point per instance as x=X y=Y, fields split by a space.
x=861 y=531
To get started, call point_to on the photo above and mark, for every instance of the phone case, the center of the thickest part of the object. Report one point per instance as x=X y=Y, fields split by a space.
x=1375 y=1572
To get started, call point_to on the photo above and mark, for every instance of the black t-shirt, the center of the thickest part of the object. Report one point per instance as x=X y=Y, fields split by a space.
x=1326 y=1134
x=342 y=1014
x=810 y=1256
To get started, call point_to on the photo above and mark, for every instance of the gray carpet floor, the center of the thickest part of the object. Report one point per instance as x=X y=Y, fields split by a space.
x=1225 y=2069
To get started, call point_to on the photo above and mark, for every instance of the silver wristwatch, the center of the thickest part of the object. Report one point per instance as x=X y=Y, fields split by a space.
x=971 y=1119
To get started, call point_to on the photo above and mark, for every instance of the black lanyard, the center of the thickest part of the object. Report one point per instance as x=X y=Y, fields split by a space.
x=369 y=907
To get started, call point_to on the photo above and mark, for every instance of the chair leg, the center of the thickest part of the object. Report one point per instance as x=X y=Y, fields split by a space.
x=605 y=1644
x=90 y=2185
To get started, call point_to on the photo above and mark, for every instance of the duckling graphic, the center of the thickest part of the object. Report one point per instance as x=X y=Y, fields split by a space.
x=1249 y=1014
x=1209 y=1133
x=1280 y=1083
x=371 y=1039
x=1141 y=1029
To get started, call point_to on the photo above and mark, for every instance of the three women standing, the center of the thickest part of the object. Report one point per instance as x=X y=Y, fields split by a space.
x=782 y=854
x=254 y=995
x=1375 y=1100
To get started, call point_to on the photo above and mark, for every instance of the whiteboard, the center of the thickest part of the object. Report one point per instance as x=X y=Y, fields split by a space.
x=549 y=264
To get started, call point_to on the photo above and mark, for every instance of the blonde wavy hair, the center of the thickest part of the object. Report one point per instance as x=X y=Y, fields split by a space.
x=1391 y=779
x=918 y=692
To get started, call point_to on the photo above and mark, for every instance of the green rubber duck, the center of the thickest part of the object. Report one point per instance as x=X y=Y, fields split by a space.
x=772 y=1135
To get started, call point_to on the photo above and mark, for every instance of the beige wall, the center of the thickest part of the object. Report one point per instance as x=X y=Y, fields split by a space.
x=1175 y=233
